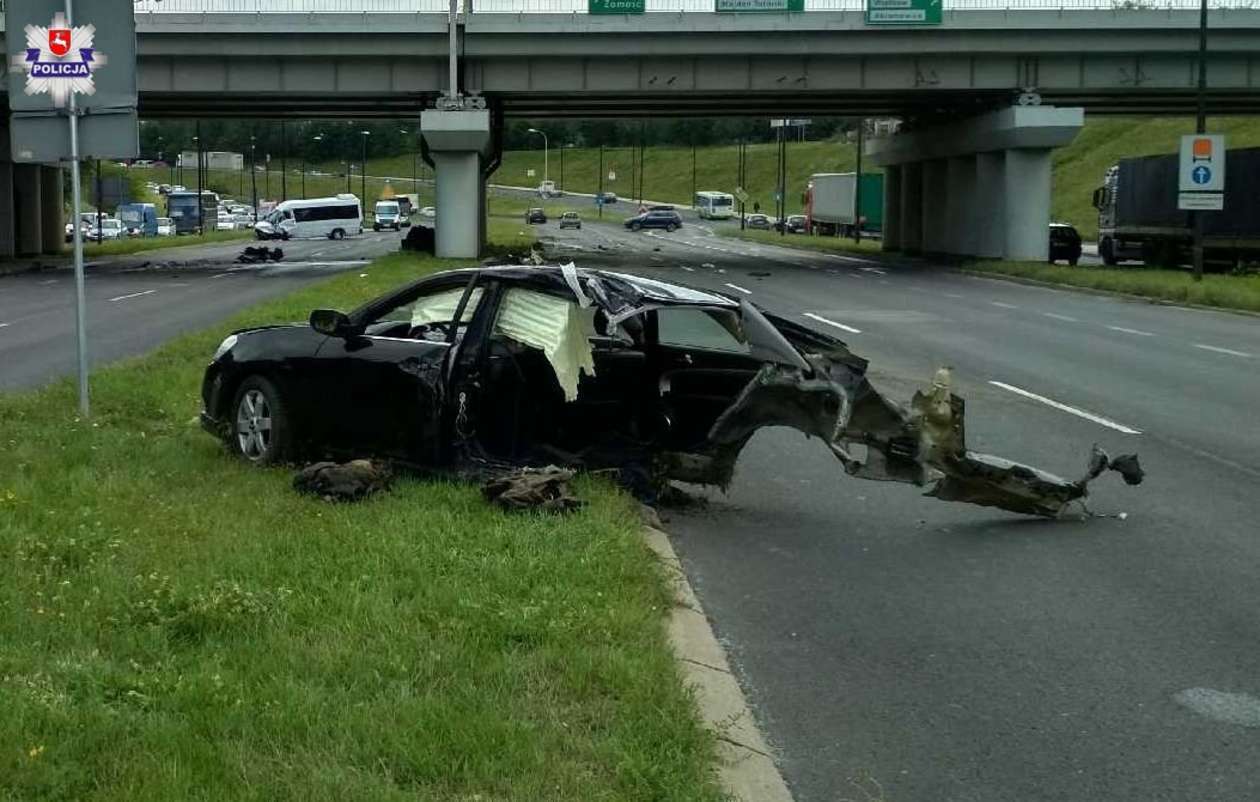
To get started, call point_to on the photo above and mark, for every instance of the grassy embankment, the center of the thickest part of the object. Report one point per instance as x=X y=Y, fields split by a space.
x=1224 y=291
x=178 y=625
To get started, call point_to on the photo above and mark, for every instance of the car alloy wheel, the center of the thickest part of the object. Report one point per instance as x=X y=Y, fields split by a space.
x=670 y=227
x=338 y=234
x=253 y=426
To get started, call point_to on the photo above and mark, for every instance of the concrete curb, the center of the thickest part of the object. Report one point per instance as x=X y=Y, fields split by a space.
x=1128 y=296
x=747 y=770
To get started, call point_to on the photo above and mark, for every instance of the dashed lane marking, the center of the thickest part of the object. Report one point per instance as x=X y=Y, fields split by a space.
x=1080 y=413
x=1064 y=318
x=132 y=295
x=1003 y=306
x=1229 y=351
x=1123 y=330
x=737 y=287
x=830 y=322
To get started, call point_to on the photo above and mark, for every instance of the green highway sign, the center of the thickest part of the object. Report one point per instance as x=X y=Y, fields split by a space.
x=903 y=12
x=616 y=6
x=742 y=6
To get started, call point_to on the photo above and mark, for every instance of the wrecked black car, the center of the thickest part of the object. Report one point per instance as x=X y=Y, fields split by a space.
x=501 y=366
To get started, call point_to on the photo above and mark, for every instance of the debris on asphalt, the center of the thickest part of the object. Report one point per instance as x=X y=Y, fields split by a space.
x=760 y=274
x=345 y=481
x=545 y=489
x=256 y=254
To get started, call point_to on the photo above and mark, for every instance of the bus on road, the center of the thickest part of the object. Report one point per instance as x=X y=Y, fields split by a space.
x=715 y=205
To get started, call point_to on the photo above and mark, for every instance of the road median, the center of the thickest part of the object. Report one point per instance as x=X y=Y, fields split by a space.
x=1217 y=291
x=181 y=624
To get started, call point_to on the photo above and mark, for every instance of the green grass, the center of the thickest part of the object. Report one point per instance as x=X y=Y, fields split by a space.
x=138 y=244
x=178 y=625
x=1227 y=292
x=840 y=244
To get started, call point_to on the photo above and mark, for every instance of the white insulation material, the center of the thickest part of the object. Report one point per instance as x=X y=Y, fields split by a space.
x=558 y=328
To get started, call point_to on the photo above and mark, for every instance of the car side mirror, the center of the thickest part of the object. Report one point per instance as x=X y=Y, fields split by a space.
x=332 y=323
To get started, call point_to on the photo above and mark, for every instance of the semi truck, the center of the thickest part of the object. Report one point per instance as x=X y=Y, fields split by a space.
x=1138 y=218
x=830 y=199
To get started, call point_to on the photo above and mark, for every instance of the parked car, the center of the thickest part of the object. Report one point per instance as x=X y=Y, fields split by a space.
x=758 y=221
x=225 y=222
x=666 y=218
x=1065 y=243
x=570 y=220
x=111 y=228
x=607 y=198
x=796 y=224
x=535 y=216
x=428 y=211
x=165 y=227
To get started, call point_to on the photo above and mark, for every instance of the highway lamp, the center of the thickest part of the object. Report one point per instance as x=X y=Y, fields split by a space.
x=415 y=181
x=566 y=146
x=253 y=175
x=363 y=172
x=284 y=161
x=201 y=222
x=546 y=149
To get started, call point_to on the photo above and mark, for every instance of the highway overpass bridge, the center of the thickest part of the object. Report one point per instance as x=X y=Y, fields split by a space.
x=327 y=59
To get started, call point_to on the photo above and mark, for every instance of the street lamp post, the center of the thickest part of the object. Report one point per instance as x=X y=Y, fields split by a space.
x=316 y=138
x=284 y=161
x=415 y=181
x=562 y=149
x=546 y=149
x=363 y=165
x=201 y=223
x=253 y=175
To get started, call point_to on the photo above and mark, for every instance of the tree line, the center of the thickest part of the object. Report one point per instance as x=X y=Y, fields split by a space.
x=342 y=140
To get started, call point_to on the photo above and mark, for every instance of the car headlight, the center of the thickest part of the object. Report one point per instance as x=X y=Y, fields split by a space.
x=224 y=347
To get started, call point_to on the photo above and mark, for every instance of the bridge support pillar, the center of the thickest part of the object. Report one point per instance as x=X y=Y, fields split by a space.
x=934 y=203
x=960 y=210
x=51 y=201
x=26 y=205
x=457 y=142
x=986 y=181
x=912 y=207
x=892 y=208
x=991 y=194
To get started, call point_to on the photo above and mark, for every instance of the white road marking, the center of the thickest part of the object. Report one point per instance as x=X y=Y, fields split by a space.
x=1004 y=306
x=689 y=269
x=1219 y=350
x=4 y=325
x=737 y=287
x=875 y=270
x=1080 y=413
x=49 y=281
x=220 y=275
x=1131 y=331
x=1064 y=318
x=840 y=326
x=132 y=295
x=954 y=295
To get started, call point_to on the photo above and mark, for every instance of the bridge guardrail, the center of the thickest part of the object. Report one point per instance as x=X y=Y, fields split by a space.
x=652 y=6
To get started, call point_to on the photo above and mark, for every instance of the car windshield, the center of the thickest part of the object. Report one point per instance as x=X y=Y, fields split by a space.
x=387 y=208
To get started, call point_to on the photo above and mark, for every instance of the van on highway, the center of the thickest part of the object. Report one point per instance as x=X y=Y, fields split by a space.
x=335 y=218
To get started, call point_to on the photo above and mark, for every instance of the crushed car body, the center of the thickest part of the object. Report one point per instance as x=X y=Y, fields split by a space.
x=489 y=368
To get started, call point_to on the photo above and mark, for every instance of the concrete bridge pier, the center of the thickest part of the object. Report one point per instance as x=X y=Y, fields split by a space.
x=458 y=141
x=976 y=187
x=52 y=224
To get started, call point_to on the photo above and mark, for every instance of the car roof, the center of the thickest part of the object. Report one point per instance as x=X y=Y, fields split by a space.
x=652 y=290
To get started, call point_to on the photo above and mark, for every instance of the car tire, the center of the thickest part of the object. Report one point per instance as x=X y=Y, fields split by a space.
x=670 y=227
x=1074 y=261
x=259 y=426
x=636 y=226
x=337 y=233
x=377 y=229
x=1107 y=250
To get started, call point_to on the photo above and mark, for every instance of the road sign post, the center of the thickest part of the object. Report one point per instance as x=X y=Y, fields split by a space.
x=903 y=12
x=86 y=74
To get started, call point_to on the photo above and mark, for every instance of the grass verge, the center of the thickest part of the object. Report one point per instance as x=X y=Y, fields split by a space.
x=834 y=244
x=178 y=625
x=1224 y=291
x=136 y=245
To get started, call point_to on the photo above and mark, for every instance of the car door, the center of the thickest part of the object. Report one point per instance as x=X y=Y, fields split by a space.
x=703 y=363
x=388 y=382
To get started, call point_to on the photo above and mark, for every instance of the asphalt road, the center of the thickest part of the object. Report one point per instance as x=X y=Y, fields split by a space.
x=137 y=302
x=953 y=652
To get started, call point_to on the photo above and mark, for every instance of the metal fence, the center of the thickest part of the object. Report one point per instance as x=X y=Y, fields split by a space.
x=659 y=6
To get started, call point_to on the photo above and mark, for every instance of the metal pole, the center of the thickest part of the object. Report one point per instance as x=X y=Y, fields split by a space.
x=253 y=175
x=743 y=207
x=693 y=174
x=284 y=161
x=642 y=162
x=99 y=211
x=546 y=157
x=363 y=171
x=80 y=297
x=600 y=205
x=1200 y=127
x=303 y=176
x=562 y=168
x=201 y=223
x=857 y=185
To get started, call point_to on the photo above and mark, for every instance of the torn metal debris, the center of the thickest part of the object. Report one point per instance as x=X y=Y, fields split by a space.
x=531 y=366
x=349 y=481
x=255 y=254
x=546 y=489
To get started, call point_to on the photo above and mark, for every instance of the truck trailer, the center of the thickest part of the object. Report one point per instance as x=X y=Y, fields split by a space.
x=1138 y=218
x=830 y=199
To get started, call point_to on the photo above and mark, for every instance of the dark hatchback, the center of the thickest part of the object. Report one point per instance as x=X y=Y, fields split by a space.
x=536 y=216
x=1065 y=243
x=667 y=219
